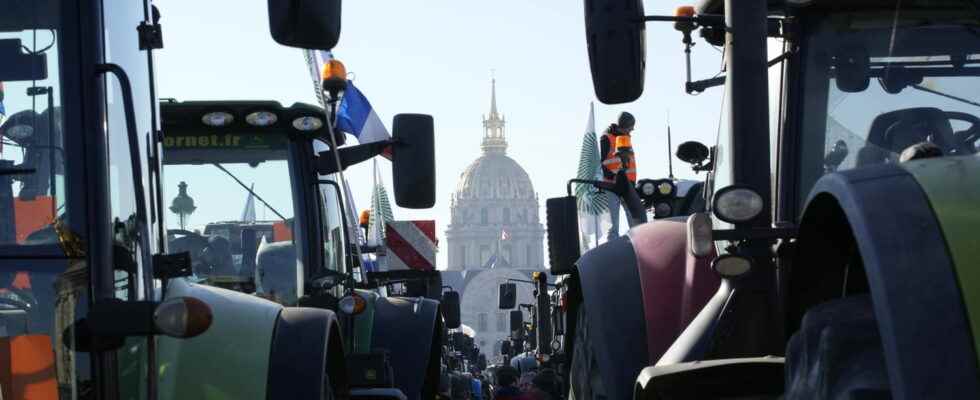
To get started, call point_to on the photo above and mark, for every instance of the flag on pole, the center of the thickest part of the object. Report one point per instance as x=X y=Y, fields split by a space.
x=593 y=208
x=248 y=214
x=504 y=235
x=3 y=111
x=380 y=210
x=356 y=117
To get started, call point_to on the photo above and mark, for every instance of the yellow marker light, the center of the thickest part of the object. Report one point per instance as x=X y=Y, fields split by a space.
x=623 y=142
x=536 y=275
x=684 y=11
x=352 y=304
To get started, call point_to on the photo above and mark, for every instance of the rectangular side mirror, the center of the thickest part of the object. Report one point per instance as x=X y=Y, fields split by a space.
x=20 y=66
x=507 y=298
x=615 y=31
x=413 y=161
x=517 y=322
x=306 y=24
x=563 y=238
x=450 y=309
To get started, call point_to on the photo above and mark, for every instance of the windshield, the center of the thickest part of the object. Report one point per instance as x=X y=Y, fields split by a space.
x=231 y=207
x=877 y=85
x=31 y=148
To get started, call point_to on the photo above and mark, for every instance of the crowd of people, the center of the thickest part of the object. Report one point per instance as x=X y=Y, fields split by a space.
x=507 y=383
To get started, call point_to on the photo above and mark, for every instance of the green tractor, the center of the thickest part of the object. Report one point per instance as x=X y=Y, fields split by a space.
x=92 y=303
x=294 y=243
x=844 y=234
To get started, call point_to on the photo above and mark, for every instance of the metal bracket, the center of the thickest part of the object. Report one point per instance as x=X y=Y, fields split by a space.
x=151 y=36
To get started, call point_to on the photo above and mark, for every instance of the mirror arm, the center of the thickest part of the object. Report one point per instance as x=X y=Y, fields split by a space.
x=326 y=164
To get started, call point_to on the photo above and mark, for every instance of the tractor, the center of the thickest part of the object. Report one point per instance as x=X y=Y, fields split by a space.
x=294 y=243
x=93 y=305
x=842 y=236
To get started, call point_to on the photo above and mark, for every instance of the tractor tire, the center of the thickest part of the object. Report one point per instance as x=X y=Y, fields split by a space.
x=585 y=381
x=837 y=354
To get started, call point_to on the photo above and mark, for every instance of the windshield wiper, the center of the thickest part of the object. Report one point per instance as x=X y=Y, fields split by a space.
x=249 y=190
x=946 y=95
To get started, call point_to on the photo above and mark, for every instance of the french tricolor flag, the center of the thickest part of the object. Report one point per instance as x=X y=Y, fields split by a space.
x=356 y=117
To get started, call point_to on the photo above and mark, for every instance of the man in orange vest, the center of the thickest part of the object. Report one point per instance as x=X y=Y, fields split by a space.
x=612 y=163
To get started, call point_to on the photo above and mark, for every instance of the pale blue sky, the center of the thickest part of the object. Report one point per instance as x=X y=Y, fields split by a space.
x=435 y=57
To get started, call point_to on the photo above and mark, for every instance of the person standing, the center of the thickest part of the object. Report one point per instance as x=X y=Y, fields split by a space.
x=507 y=389
x=611 y=164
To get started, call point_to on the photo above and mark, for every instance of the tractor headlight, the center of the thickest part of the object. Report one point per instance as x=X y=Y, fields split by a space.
x=647 y=188
x=261 y=118
x=737 y=204
x=731 y=266
x=307 y=123
x=217 y=119
x=20 y=132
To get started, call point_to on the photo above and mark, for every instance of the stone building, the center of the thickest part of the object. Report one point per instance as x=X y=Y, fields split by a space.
x=494 y=233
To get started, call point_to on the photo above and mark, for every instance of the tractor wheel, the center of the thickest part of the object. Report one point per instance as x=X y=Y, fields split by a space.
x=586 y=383
x=837 y=353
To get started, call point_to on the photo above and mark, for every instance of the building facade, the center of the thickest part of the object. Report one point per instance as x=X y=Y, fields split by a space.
x=494 y=234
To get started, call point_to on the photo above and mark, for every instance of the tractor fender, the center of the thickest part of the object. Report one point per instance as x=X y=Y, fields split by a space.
x=228 y=361
x=306 y=347
x=408 y=328
x=613 y=299
x=909 y=270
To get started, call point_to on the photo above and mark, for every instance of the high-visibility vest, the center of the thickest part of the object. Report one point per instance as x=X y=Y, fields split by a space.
x=612 y=162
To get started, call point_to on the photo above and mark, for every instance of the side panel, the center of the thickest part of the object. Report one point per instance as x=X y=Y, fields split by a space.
x=231 y=359
x=910 y=275
x=675 y=285
x=405 y=327
x=952 y=185
x=613 y=299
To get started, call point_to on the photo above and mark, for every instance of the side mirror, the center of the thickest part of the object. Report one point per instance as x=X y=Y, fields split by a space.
x=852 y=68
x=507 y=298
x=450 y=309
x=413 y=161
x=307 y=24
x=19 y=66
x=517 y=322
x=563 y=239
x=615 y=31
x=692 y=152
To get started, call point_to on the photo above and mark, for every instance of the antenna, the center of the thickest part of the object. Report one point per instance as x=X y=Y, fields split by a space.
x=670 y=160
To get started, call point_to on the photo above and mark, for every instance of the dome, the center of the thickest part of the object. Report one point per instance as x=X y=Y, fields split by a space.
x=494 y=176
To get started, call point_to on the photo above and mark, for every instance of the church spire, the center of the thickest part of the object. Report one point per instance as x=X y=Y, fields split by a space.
x=494 y=140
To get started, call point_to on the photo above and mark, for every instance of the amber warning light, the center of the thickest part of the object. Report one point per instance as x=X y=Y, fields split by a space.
x=334 y=77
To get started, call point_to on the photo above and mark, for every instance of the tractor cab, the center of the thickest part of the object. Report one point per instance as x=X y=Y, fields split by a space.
x=236 y=173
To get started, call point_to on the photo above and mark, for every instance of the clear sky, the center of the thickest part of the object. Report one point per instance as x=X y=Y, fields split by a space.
x=436 y=57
